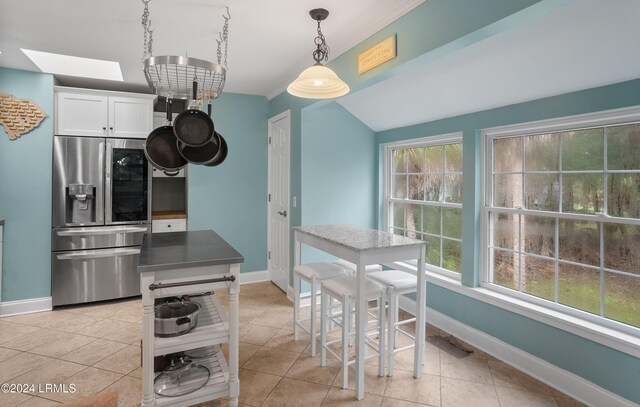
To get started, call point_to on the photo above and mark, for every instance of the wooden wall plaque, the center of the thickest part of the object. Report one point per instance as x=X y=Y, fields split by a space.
x=377 y=55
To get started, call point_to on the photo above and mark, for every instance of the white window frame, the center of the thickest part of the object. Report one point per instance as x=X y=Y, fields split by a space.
x=606 y=118
x=449 y=138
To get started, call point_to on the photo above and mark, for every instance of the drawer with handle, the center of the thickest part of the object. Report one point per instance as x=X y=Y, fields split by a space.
x=168 y=225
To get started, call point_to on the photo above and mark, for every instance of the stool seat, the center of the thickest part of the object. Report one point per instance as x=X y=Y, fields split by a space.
x=348 y=285
x=352 y=267
x=319 y=270
x=400 y=280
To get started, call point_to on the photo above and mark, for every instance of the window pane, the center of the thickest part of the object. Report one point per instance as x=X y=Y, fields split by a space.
x=453 y=157
x=583 y=150
x=579 y=287
x=505 y=231
x=621 y=299
x=539 y=235
x=435 y=159
x=400 y=186
x=624 y=195
x=542 y=192
x=453 y=188
x=539 y=277
x=507 y=154
x=400 y=232
x=452 y=255
x=413 y=215
x=623 y=147
x=508 y=191
x=541 y=152
x=452 y=222
x=399 y=161
x=622 y=248
x=580 y=241
x=398 y=215
x=582 y=193
x=416 y=187
x=433 y=187
x=433 y=250
x=415 y=156
x=431 y=219
x=505 y=269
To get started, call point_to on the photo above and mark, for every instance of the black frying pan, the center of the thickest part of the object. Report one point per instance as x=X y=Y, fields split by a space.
x=161 y=150
x=193 y=127
x=205 y=155
x=222 y=152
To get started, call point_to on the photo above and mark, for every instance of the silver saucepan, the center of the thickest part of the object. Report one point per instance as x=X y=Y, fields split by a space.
x=176 y=317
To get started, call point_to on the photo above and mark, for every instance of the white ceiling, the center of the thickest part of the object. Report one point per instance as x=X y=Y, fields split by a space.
x=270 y=41
x=585 y=44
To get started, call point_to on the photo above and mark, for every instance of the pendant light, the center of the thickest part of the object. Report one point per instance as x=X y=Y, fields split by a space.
x=318 y=81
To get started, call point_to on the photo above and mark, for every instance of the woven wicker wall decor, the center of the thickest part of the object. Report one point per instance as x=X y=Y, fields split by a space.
x=19 y=116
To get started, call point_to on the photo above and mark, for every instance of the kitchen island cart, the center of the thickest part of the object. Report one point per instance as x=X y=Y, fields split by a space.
x=189 y=264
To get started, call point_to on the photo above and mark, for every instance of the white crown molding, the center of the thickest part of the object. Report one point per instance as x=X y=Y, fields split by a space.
x=384 y=19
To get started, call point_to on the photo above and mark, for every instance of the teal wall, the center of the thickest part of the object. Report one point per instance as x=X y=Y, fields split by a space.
x=606 y=367
x=232 y=197
x=25 y=193
x=338 y=171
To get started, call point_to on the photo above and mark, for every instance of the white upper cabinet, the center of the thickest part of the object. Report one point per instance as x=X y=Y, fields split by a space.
x=130 y=117
x=81 y=115
x=84 y=112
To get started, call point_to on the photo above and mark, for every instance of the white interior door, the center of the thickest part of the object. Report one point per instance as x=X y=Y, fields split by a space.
x=278 y=206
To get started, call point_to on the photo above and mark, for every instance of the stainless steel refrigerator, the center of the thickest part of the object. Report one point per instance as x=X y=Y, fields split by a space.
x=101 y=210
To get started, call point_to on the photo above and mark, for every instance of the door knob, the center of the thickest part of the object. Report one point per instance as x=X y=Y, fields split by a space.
x=283 y=213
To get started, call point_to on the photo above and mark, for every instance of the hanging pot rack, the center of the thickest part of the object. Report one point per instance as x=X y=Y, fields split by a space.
x=172 y=76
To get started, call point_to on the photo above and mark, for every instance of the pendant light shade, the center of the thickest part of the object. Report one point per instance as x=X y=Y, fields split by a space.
x=318 y=81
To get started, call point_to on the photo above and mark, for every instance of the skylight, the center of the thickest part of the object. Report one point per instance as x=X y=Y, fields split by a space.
x=75 y=66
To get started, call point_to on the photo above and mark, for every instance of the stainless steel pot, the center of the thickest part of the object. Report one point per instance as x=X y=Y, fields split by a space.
x=176 y=318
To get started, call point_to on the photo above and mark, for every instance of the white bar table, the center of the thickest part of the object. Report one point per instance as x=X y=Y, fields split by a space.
x=363 y=247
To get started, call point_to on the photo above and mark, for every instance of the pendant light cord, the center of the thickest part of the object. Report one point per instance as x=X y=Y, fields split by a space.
x=322 y=51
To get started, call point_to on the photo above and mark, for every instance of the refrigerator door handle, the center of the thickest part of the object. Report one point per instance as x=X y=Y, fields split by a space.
x=108 y=204
x=85 y=255
x=100 y=187
x=101 y=231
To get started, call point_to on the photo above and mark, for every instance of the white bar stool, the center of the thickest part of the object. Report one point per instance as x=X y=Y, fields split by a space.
x=343 y=289
x=311 y=273
x=396 y=283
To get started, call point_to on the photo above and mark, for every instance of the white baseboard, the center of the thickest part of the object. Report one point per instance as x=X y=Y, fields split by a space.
x=254 y=277
x=566 y=382
x=29 y=306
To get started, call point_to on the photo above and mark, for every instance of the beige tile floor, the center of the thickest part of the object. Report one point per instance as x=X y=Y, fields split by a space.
x=97 y=348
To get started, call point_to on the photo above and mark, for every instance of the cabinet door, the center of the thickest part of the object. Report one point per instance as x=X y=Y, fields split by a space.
x=81 y=115
x=130 y=117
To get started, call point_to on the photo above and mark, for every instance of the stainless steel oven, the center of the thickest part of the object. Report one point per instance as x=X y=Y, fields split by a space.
x=101 y=210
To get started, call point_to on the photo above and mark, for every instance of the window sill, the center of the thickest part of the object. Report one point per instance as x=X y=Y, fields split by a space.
x=621 y=341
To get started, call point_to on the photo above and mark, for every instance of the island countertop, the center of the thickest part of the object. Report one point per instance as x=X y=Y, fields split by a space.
x=180 y=250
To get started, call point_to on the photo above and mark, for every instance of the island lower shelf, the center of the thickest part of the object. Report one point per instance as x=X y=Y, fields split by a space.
x=216 y=387
x=212 y=329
